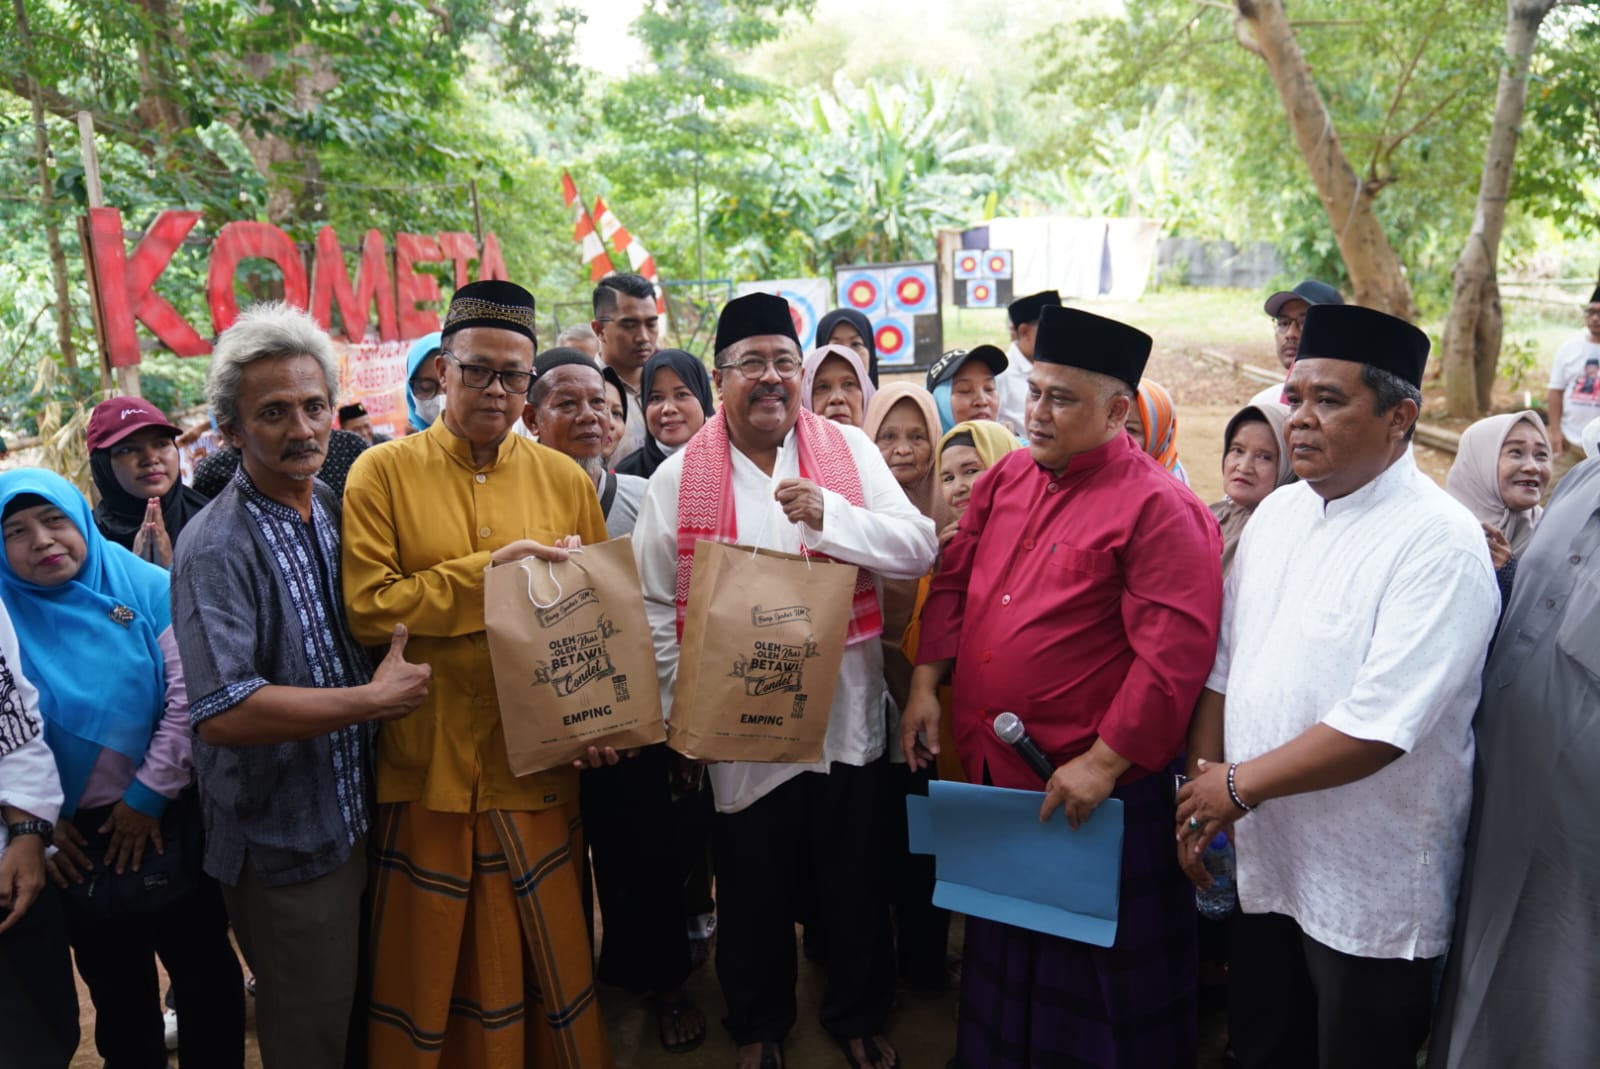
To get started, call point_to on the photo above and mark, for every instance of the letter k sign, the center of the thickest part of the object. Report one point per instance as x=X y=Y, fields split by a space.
x=123 y=287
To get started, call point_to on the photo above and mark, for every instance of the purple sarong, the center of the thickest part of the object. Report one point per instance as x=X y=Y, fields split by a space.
x=1032 y=1001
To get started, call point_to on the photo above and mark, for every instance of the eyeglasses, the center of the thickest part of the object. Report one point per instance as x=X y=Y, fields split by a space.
x=478 y=377
x=424 y=389
x=1283 y=323
x=753 y=367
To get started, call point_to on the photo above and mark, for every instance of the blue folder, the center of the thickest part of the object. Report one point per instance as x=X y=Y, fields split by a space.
x=994 y=859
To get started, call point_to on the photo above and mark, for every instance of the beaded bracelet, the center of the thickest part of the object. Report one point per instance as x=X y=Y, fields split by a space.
x=1233 y=792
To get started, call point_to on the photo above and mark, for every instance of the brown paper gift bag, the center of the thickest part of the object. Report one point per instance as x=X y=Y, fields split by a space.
x=574 y=666
x=763 y=634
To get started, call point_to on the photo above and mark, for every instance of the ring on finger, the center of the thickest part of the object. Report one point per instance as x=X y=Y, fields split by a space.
x=1194 y=825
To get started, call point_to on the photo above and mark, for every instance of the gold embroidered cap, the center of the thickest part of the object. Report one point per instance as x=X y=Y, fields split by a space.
x=491 y=303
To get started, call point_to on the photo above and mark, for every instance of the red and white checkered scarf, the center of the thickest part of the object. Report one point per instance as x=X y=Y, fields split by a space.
x=706 y=505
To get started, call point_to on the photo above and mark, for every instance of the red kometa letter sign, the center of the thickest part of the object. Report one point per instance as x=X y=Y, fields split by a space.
x=124 y=284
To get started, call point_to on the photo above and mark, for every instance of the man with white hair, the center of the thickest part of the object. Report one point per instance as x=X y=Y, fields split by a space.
x=580 y=336
x=283 y=699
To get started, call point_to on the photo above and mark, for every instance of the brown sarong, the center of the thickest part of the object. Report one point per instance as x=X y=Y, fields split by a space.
x=480 y=954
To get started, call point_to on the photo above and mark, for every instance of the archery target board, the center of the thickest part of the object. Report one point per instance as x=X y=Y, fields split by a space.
x=902 y=300
x=982 y=277
x=807 y=297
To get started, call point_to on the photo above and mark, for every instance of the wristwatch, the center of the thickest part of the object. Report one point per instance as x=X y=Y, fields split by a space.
x=42 y=828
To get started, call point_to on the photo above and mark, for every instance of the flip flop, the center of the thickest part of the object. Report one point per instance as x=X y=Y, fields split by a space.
x=670 y=1015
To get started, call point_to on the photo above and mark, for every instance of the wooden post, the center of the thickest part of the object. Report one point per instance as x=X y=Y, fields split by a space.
x=477 y=212
x=126 y=378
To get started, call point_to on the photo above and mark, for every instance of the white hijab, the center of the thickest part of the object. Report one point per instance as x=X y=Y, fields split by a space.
x=1474 y=478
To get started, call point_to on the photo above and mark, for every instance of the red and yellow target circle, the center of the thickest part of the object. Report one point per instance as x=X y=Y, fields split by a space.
x=862 y=294
x=891 y=339
x=969 y=263
x=997 y=265
x=911 y=291
x=981 y=291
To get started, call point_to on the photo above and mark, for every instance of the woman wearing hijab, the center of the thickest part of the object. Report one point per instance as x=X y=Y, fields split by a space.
x=848 y=327
x=965 y=452
x=903 y=423
x=1255 y=462
x=834 y=385
x=128 y=838
x=964 y=385
x=1501 y=471
x=424 y=394
x=617 y=405
x=677 y=403
x=1153 y=422
x=133 y=457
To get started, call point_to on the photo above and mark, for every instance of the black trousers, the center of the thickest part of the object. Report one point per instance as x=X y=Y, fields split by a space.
x=38 y=1000
x=638 y=871
x=922 y=929
x=832 y=824
x=117 y=962
x=1294 y=1003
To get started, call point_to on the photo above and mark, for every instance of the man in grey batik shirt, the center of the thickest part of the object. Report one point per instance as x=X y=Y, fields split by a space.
x=284 y=700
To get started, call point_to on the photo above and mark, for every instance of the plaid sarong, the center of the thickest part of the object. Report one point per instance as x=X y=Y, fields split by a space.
x=453 y=986
x=1032 y=1001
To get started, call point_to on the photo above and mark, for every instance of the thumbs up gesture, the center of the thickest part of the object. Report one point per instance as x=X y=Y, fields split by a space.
x=398 y=686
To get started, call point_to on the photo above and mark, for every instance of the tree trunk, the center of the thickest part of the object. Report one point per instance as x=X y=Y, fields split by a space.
x=52 y=232
x=1375 y=270
x=1472 y=330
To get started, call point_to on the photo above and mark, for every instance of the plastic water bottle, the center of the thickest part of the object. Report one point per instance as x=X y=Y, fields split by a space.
x=1218 y=900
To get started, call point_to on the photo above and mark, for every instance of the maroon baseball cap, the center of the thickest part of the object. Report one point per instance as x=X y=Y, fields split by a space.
x=117 y=417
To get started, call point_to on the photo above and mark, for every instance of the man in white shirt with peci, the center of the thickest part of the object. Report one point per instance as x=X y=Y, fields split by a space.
x=1333 y=740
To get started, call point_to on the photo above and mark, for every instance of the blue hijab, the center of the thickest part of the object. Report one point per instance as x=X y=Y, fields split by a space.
x=102 y=684
x=421 y=349
x=941 y=401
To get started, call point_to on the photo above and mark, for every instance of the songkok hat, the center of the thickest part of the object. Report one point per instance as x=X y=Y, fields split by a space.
x=350 y=412
x=1027 y=309
x=1364 y=336
x=491 y=303
x=1311 y=291
x=947 y=365
x=1594 y=298
x=551 y=359
x=1084 y=340
x=753 y=315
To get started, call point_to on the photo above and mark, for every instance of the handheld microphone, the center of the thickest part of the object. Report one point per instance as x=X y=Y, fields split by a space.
x=1009 y=730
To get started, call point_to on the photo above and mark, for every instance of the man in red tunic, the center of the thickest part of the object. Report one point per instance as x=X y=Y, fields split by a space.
x=1082 y=592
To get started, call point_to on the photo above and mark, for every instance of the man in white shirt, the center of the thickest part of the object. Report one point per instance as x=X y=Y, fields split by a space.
x=780 y=826
x=1287 y=309
x=1333 y=740
x=1024 y=314
x=38 y=1001
x=1574 y=397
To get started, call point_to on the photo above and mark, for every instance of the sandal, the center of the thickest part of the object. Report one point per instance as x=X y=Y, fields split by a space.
x=670 y=1016
x=869 y=1049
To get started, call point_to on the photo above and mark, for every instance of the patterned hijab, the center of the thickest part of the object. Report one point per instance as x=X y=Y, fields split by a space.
x=1159 y=420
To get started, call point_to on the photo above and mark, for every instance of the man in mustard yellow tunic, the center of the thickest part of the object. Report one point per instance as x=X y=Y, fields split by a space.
x=469 y=855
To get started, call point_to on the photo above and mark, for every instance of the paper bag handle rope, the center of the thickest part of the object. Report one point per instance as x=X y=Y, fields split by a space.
x=550 y=568
x=766 y=517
